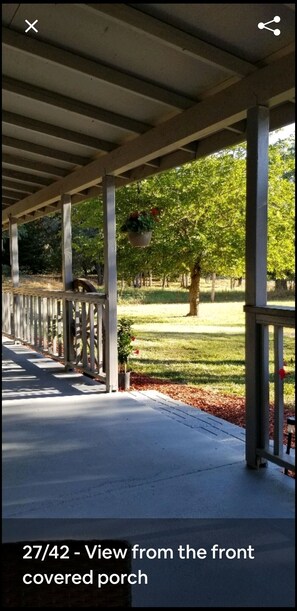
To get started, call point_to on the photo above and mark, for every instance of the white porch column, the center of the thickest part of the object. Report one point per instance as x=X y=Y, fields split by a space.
x=67 y=277
x=15 y=276
x=257 y=375
x=14 y=252
x=110 y=280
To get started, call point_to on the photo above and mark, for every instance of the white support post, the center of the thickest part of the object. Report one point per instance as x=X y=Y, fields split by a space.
x=15 y=276
x=110 y=279
x=14 y=252
x=257 y=374
x=67 y=278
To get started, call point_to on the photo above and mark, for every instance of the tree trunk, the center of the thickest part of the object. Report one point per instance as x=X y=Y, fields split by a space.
x=213 y=287
x=150 y=278
x=137 y=281
x=194 y=290
x=281 y=284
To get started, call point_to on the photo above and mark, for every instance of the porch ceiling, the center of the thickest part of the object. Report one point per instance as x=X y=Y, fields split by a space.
x=131 y=90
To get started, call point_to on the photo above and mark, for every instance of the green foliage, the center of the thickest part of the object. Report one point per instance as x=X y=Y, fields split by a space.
x=87 y=236
x=6 y=271
x=40 y=245
x=125 y=339
x=281 y=211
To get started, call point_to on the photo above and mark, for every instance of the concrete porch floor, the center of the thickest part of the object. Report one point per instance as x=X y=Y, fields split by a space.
x=72 y=451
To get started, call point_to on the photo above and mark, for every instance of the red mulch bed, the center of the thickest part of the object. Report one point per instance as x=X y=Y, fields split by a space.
x=228 y=407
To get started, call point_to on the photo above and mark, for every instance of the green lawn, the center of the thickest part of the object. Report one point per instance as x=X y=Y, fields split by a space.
x=206 y=352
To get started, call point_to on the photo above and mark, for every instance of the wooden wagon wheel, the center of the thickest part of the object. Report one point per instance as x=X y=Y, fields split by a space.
x=87 y=329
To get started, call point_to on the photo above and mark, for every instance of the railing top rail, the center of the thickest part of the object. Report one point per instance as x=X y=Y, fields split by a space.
x=56 y=294
x=273 y=315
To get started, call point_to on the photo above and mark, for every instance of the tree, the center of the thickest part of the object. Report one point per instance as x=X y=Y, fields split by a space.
x=40 y=245
x=281 y=211
x=202 y=224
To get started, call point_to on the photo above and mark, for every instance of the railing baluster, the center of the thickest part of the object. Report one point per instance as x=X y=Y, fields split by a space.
x=92 y=338
x=28 y=336
x=39 y=322
x=11 y=322
x=44 y=323
x=84 y=336
x=264 y=386
x=59 y=327
x=21 y=316
x=6 y=313
x=35 y=299
x=54 y=319
x=99 y=339
x=31 y=319
x=77 y=333
x=17 y=317
x=278 y=390
x=50 y=325
x=25 y=316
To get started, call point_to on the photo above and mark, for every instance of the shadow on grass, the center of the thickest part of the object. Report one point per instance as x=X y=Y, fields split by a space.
x=183 y=336
x=157 y=296
x=167 y=296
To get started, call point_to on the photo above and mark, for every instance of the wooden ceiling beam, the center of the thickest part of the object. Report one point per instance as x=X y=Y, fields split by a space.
x=117 y=78
x=168 y=35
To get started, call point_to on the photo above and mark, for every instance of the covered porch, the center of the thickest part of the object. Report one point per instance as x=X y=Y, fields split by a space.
x=83 y=117
x=71 y=450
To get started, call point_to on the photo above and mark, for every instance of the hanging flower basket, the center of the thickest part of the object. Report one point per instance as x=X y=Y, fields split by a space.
x=140 y=240
x=139 y=227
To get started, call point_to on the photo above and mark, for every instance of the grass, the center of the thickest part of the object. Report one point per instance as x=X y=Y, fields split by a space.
x=207 y=352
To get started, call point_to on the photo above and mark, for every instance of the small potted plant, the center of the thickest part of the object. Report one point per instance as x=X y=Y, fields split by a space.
x=139 y=226
x=125 y=349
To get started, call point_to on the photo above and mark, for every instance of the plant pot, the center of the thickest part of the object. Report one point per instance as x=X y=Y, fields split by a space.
x=140 y=240
x=124 y=380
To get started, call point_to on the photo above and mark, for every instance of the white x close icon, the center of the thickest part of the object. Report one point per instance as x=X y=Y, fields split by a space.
x=31 y=25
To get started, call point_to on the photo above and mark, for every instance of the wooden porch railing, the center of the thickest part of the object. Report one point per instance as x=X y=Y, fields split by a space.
x=278 y=318
x=35 y=317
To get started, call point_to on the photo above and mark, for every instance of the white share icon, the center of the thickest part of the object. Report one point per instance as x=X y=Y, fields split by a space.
x=263 y=26
x=31 y=26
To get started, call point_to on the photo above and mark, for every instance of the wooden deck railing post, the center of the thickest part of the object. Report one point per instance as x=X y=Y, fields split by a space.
x=257 y=383
x=67 y=280
x=110 y=278
x=15 y=277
